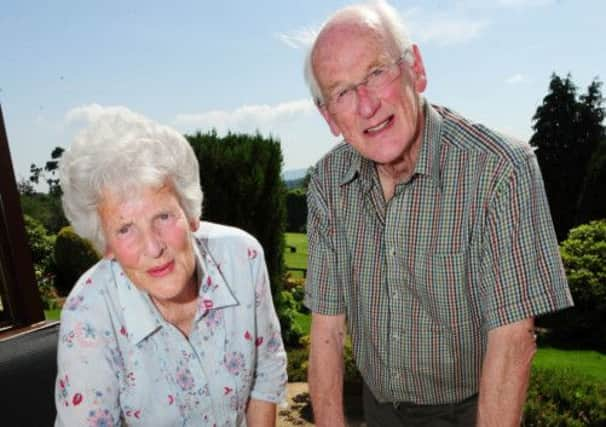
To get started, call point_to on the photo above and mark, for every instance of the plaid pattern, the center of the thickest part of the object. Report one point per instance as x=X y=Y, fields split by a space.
x=466 y=245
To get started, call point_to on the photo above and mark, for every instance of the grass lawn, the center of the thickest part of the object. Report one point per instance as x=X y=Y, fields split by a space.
x=587 y=362
x=304 y=321
x=52 y=314
x=297 y=259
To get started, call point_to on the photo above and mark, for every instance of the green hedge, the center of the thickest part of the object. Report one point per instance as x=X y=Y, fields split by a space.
x=562 y=397
x=73 y=256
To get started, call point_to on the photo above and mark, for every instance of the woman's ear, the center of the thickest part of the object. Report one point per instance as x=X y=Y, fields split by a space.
x=194 y=224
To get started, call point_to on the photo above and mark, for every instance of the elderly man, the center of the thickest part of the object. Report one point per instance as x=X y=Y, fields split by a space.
x=429 y=236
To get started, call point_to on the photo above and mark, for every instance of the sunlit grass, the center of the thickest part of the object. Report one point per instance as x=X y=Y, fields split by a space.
x=586 y=362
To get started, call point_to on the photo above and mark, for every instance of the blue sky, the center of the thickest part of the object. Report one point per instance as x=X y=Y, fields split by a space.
x=197 y=65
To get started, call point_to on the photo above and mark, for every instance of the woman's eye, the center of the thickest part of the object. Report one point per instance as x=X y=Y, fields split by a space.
x=124 y=229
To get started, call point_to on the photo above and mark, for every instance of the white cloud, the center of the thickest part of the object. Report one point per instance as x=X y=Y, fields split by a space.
x=516 y=79
x=297 y=39
x=91 y=112
x=247 y=118
x=523 y=3
x=443 y=28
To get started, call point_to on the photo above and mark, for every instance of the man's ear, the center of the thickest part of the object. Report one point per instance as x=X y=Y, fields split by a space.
x=418 y=70
x=329 y=120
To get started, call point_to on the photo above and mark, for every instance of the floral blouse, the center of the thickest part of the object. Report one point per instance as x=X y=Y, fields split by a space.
x=121 y=363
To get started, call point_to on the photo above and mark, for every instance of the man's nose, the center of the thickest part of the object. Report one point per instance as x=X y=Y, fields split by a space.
x=368 y=101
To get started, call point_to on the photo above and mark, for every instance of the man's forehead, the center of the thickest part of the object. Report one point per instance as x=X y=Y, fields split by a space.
x=349 y=46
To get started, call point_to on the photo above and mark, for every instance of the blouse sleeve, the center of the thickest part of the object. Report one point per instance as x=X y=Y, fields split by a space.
x=270 y=371
x=87 y=384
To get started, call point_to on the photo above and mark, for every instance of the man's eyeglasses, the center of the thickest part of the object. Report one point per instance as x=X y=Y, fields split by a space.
x=344 y=100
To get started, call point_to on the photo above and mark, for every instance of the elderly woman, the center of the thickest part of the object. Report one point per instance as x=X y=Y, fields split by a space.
x=175 y=326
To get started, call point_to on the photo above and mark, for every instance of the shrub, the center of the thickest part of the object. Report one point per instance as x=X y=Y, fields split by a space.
x=73 y=256
x=584 y=257
x=296 y=287
x=41 y=246
x=298 y=363
x=287 y=309
x=560 y=397
x=40 y=242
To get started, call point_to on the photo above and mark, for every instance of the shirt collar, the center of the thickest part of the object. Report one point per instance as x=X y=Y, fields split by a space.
x=141 y=316
x=215 y=292
x=428 y=162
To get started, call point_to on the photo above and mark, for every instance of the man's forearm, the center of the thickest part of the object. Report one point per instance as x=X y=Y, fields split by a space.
x=326 y=377
x=505 y=374
x=260 y=413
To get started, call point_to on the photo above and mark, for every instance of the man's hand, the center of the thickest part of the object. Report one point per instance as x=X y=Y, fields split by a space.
x=325 y=374
x=505 y=373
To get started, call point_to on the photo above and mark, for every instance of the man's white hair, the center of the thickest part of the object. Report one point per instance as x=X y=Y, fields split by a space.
x=377 y=13
x=122 y=153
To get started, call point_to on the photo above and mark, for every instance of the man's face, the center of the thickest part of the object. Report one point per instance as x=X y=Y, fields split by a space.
x=384 y=123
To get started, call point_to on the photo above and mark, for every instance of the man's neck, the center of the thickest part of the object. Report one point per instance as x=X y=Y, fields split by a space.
x=400 y=170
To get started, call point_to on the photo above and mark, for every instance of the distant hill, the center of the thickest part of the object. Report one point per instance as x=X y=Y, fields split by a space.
x=293 y=174
x=293 y=178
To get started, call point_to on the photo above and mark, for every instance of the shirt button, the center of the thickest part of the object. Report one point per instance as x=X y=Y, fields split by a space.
x=395 y=295
x=395 y=337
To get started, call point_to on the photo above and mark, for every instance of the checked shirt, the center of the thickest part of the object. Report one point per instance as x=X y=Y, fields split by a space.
x=466 y=245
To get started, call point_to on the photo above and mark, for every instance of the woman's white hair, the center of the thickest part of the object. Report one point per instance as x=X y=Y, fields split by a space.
x=377 y=13
x=122 y=152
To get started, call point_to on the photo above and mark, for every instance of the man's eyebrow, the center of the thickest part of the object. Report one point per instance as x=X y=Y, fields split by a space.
x=377 y=62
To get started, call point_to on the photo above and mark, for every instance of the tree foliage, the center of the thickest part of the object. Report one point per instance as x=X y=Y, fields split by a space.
x=48 y=172
x=592 y=203
x=46 y=209
x=242 y=184
x=567 y=132
x=296 y=208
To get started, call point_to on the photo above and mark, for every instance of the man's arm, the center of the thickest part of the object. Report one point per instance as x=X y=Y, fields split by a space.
x=260 y=413
x=326 y=369
x=505 y=373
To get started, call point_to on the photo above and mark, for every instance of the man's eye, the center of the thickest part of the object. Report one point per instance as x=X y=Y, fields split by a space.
x=376 y=74
x=164 y=216
x=342 y=95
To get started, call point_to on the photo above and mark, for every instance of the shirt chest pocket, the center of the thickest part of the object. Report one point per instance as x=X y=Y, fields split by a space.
x=438 y=281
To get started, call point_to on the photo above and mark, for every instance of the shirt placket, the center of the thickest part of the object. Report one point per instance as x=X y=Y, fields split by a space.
x=398 y=299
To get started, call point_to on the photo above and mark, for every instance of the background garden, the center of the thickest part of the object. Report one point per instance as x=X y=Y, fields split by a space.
x=241 y=178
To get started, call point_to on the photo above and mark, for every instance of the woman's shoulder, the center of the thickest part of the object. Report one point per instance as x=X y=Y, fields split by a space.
x=94 y=285
x=219 y=235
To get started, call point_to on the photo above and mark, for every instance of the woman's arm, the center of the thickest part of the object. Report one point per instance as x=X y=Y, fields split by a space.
x=260 y=413
x=87 y=387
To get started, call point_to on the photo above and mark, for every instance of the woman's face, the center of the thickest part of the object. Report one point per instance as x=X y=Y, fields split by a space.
x=149 y=234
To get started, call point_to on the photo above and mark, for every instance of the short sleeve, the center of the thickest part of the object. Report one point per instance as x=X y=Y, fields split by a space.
x=522 y=271
x=270 y=370
x=323 y=290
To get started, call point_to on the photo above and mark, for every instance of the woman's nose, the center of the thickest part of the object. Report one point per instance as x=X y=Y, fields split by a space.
x=154 y=245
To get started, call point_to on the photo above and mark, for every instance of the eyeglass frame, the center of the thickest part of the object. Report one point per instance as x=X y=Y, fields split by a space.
x=353 y=89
